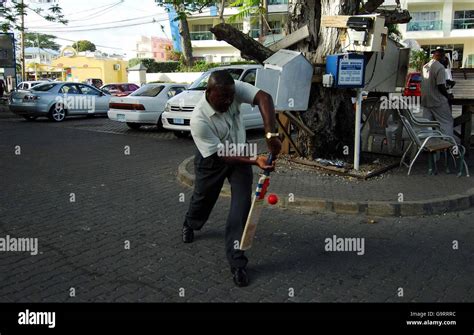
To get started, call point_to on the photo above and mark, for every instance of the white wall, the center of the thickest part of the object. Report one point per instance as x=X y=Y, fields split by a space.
x=173 y=77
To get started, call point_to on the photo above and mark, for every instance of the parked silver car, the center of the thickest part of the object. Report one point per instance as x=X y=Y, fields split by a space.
x=57 y=100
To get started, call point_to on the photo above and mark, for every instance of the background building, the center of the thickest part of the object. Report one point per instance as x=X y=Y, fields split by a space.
x=154 y=47
x=38 y=63
x=81 y=66
x=205 y=47
x=445 y=23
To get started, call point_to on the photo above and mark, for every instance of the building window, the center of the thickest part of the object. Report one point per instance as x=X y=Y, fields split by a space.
x=463 y=19
x=227 y=59
x=470 y=61
x=425 y=21
x=238 y=26
x=201 y=32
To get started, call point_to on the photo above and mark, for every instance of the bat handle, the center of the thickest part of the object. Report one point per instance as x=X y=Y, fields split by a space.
x=269 y=162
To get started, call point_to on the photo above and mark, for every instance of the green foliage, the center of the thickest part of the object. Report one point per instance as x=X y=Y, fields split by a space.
x=246 y=8
x=199 y=66
x=166 y=67
x=41 y=40
x=84 y=45
x=12 y=11
x=202 y=66
x=393 y=32
x=173 y=55
x=418 y=58
x=184 y=8
x=154 y=66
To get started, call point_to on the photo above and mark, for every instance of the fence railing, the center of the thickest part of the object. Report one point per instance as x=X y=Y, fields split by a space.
x=425 y=25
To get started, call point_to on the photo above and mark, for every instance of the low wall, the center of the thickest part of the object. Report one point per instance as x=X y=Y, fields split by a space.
x=173 y=77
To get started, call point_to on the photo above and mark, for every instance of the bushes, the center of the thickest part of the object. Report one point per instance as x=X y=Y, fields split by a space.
x=154 y=66
x=166 y=67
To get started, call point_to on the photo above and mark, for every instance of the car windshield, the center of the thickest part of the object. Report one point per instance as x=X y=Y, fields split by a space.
x=148 y=91
x=200 y=84
x=416 y=78
x=43 y=87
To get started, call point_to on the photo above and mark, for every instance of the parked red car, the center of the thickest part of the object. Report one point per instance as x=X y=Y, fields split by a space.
x=120 y=90
x=413 y=85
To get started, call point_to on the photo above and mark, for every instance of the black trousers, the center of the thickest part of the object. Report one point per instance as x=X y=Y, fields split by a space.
x=211 y=173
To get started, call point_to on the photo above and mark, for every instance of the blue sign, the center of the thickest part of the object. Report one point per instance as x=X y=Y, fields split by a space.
x=348 y=70
x=174 y=26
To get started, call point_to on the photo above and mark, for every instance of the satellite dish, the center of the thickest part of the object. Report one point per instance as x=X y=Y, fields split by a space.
x=412 y=44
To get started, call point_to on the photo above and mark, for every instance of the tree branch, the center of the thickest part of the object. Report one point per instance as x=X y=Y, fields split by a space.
x=395 y=16
x=371 y=5
x=249 y=48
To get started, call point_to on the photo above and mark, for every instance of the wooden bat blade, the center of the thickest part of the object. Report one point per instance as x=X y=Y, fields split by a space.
x=254 y=213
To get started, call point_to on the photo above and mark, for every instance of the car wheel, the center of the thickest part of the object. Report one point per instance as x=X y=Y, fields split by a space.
x=159 y=124
x=30 y=117
x=57 y=113
x=134 y=125
x=181 y=134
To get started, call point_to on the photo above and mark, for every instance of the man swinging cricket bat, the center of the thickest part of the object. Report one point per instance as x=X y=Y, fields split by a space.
x=216 y=120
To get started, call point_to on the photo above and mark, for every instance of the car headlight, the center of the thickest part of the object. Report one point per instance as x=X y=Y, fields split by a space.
x=168 y=107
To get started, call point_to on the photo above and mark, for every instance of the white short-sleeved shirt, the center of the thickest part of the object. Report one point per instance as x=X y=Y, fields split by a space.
x=210 y=128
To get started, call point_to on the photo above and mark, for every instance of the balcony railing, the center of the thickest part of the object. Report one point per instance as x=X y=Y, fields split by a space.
x=425 y=25
x=201 y=35
x=463 y=24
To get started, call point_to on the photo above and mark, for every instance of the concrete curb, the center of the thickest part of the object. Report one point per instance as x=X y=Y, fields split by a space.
x=451 y=203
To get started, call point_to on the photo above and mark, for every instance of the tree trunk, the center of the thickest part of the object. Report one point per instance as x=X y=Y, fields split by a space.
x=249 y=48
x=185 y=36
x=263 y=20
x=221 y=11
x=330 y=114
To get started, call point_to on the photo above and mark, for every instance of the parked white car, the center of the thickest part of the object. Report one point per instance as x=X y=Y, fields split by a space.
x=144 y=106
x=28 y=85
x=178 y=110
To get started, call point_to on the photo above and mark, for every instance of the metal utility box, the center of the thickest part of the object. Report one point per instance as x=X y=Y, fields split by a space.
x=347 y=70
x=387 y=71
x=366 y=33
x=286 y=76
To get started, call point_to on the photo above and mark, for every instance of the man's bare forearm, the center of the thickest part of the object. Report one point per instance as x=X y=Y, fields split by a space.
x=236 y=160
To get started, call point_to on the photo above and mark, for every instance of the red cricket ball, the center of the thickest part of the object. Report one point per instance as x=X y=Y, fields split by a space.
x=272 y=199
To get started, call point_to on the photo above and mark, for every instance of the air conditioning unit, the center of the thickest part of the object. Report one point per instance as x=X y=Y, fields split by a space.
x=117 y=67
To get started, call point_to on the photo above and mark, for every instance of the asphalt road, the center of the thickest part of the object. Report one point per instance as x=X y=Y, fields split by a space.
x=119 y=240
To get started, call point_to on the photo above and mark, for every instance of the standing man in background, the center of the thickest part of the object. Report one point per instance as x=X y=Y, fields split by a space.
x=435 y=98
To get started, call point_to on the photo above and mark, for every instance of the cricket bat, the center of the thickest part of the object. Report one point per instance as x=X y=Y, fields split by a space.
x=256 y=208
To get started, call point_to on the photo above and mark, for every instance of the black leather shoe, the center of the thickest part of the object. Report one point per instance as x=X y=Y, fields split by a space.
x=188 y=234
x=241 y=279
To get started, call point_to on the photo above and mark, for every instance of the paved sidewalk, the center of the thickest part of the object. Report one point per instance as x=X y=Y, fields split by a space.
x=391 y=194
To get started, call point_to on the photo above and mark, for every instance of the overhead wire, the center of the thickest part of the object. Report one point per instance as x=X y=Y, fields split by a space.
x=89 y=17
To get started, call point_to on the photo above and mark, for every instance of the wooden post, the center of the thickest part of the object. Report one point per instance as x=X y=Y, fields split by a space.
x=284 y=127
x=466 y=127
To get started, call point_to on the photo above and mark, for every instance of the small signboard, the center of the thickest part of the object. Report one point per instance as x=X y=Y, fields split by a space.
x=351 y=72
x=7 y=51
x=348 y=70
